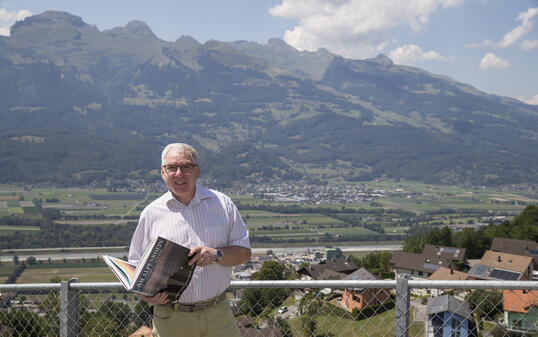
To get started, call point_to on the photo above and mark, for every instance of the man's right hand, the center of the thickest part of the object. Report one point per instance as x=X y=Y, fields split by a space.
x=158 y=298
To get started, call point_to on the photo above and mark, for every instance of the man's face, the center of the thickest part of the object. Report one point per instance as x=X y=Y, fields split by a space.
x=180 y=173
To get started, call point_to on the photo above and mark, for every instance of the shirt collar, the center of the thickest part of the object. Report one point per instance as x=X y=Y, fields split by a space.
x=200 y=194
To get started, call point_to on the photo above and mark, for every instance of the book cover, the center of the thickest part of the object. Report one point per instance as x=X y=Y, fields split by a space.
x=163 y=267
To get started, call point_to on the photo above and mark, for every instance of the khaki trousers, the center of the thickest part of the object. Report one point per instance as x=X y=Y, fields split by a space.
x=214 y=321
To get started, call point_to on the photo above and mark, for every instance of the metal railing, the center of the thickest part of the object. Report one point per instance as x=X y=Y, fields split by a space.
x=401 y=308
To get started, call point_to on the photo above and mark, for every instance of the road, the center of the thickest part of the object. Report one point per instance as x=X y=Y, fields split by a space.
x=74 y=255
x=345 y=249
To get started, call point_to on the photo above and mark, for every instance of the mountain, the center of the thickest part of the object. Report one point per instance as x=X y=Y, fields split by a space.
x=89 y=106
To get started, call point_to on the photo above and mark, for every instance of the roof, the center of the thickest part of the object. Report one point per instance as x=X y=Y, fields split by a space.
x=448 y=303
x=517 y=247
x=340 y=265
x=430 y=260
x=487 y=273
x=511 y=262
x=412 y=261
x=444 y=253
x=361 y=274
x=519 y=300
x=448 y=274
x=329 y=274
x=245 y=321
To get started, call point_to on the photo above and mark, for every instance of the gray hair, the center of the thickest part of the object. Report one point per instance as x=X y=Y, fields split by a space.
x=178 y=148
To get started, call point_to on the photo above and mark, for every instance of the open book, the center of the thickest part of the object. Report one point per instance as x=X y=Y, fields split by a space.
x=163 y=267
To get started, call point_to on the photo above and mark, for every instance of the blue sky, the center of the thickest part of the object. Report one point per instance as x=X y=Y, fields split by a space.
x=490 y=44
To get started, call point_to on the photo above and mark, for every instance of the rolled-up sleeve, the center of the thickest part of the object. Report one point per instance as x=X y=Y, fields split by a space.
x=239 y=235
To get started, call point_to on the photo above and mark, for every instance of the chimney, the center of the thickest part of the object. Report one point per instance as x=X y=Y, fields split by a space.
x=451 y=270
x=499 y=259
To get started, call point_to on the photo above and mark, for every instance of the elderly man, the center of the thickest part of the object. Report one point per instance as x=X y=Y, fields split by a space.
x=207 y=222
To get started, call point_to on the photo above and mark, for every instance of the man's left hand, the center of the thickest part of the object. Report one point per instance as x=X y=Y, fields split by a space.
x=202 y=256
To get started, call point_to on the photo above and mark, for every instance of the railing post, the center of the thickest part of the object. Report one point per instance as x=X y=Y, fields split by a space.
x=403 y=307
x=68 y=309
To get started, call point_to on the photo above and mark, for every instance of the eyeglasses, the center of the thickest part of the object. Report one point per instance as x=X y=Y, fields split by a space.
x=187 y=168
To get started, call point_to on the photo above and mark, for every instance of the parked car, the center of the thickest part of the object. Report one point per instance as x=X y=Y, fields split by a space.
x=282 y=309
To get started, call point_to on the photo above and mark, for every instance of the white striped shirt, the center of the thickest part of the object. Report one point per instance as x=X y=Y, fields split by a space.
x=211 y=219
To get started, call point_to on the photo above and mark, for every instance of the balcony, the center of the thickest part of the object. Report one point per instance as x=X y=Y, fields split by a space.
x=400 y=307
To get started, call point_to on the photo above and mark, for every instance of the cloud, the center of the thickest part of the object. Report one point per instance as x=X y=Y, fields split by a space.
x=410 y=54
x=529 y=44
x=533 y=101
x=353 y=28
x=484 y=43
x=491 y=61
x=7 y=19
x=527 y=22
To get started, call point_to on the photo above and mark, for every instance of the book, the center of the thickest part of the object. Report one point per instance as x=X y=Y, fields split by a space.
x=163 y=267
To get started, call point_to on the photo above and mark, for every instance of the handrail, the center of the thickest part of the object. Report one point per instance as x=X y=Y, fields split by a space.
x=338 y=284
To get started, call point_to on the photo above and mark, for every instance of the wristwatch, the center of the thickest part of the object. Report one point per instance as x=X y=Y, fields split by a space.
x=219 y=254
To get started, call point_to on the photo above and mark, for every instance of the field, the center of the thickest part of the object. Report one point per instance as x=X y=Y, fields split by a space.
x=424 y=204
x=390 y=209
x=85 y=272
x=7 y=230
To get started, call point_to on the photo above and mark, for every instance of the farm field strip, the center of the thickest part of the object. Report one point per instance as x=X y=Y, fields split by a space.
x=87 y=274
x=277 y=231
x=20 y=228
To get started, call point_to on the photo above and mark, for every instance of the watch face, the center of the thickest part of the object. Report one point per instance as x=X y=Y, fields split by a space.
x=219 y=254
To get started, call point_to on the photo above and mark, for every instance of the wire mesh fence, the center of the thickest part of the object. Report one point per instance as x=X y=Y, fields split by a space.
x=289 y=308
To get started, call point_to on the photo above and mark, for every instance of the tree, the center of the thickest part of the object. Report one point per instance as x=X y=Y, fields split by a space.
x=142 y=313
x=26 y=323
x=474 y=242
x=31 y=260
x=100 y=325
x=376 y=262
x=414 y=244
x=309 y=308
x=439 y=237
x=486 y=303
x=254 y=301
x=50 y=213
x=118 y=312
x=284 y=326
x=51 y=307
x=15 y=259
x=525 y=225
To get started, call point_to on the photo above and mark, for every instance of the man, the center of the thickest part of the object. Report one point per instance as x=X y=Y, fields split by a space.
x=208 y=223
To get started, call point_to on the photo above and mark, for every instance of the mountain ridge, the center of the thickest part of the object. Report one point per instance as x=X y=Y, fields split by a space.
x=255 y=111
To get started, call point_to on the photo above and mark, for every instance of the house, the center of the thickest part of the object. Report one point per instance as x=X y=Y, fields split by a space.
x=329 y=274
x=339 y=265
x=448 y=316
x=448 y=274
x=517 y=247
x=444 y=254
x=502 y=266
x=521 y=310
x=425 y=264
x=360 y=298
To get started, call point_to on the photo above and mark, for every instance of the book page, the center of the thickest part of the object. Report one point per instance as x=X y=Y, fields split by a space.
x=123 y=270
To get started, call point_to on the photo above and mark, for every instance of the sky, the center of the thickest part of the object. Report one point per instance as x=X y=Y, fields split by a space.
x=489 y=44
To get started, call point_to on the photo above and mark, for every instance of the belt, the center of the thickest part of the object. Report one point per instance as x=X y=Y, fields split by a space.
x=197 y=306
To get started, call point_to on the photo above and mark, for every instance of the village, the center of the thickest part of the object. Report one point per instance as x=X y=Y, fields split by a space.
x=507 y=260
